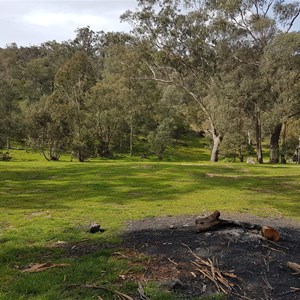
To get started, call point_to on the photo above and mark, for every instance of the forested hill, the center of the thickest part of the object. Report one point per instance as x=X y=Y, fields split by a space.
x=227 y=70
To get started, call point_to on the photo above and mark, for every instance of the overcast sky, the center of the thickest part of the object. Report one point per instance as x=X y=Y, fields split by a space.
x=32 y=22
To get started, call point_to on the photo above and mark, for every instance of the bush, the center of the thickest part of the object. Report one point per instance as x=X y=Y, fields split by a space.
x=4 y=156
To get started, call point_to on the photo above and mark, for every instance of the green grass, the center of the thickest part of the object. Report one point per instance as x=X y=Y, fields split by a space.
x=44 y=202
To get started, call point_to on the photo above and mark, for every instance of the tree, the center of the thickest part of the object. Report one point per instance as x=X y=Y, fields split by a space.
x=281 y=65
x=107 y=113
x=161 y=137
x=73 y=83
x=178 y=50
x=49 y=130
x=10 y=121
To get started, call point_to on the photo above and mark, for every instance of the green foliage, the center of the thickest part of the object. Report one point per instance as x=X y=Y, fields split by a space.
x=161 y=138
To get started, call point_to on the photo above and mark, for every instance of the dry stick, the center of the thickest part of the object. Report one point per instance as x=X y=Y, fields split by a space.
x=212 y=276
x=280 y=246
x=241 y=296
x=294 y=290
x=172 y=261
x=209 y=277
x=265 y=280
x=276 y=250
x=294 y=266
x=99 y=287
x=142 y=292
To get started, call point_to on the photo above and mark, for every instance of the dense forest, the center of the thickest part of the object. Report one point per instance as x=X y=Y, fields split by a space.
x=226 y=70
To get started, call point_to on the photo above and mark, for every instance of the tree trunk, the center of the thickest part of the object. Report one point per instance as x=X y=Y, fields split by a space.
x=258 y=137
x=8 y=144
x=241 y=156
x=131 y=136
x=216 y=144
x=283 y=138
x=274 y=144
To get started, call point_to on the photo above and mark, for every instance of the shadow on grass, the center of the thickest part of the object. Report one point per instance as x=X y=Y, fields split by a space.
x=62 y=186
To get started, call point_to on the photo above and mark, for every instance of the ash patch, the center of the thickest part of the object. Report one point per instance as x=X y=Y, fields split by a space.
x=260 y=265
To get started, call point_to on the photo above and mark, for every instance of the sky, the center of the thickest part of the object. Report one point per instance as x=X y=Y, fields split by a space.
x=32 y=22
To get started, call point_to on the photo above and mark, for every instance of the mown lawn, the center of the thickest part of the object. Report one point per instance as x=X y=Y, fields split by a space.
x=43 y=202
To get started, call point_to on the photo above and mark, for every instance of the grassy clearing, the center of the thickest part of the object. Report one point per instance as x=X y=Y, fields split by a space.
x=44 y=202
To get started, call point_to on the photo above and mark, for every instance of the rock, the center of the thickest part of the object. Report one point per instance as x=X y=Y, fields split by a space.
x=94 y=228
x=173 y=227
x=174 y=284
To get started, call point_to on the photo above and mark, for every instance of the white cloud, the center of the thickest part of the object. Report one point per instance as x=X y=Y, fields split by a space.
x=49 y=19
x=29 y=22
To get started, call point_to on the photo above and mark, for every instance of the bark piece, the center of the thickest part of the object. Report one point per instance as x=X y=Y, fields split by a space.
x=207 y=222
x=294 y=266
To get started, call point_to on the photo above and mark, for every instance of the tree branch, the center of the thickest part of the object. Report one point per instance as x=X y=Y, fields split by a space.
x=293 y=20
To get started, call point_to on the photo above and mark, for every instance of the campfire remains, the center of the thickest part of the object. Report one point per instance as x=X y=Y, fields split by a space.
x=213 y=222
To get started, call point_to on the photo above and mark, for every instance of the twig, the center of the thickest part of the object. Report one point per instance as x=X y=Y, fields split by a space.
x=241 y=296
x=265 y=280
x=293 y=290
x=280 y=246
x=100 y=287
x=172 y=261
x=142 y=292
x=274 y=249
x=209 y=270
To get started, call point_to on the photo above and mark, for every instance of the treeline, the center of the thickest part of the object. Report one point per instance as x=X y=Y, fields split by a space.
x=226 y=69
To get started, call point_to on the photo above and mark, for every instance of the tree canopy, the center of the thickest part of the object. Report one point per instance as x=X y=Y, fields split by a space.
x=227 y=69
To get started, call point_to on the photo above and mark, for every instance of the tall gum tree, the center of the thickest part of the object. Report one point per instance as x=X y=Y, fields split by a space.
x=73 y=83
x=281 y=65
x=176 y=46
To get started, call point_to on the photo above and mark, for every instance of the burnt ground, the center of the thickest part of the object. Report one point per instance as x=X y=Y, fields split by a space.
x=260 y=265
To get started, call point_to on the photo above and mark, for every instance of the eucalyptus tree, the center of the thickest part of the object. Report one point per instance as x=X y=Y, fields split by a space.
x=177 y=47
x=11 y=122
x=281 y=65
x=73 y=83
x=48 y=128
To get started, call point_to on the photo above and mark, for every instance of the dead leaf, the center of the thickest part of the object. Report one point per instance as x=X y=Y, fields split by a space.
x=42 y=267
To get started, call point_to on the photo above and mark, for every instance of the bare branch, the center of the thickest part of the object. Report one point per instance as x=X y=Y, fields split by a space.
x=268 y=7
x=293 y=20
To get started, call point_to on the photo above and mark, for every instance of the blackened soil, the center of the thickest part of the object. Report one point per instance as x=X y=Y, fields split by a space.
x=260 y=265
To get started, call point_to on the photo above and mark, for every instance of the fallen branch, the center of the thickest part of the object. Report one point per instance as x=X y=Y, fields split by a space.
x=100 y=287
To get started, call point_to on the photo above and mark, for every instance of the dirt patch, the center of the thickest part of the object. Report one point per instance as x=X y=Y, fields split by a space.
x=260 y=265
